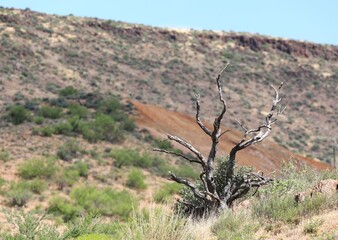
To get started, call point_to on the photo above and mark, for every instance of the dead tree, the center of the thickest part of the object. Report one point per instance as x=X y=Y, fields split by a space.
x=212 y=197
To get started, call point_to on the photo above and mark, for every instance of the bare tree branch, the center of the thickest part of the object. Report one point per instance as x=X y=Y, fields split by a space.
x=189 y=146
x=177 y=154
x=198 y=119
x=224 y=133
x=185 y=182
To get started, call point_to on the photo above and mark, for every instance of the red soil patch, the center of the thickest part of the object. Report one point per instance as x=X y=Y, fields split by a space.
x=266 y=156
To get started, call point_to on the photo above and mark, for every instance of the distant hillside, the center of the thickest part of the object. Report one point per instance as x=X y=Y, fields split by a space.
x=42 y=53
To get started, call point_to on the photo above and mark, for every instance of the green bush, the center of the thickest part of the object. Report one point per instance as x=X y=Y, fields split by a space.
x=28 y=226
x=64 y=207
x=136 y=179
x=18 y=194
x=17 y=114
x=51 y=112
x=69 y=92
x=37 y=167
x=128 y=125
x=69 y=150
x=46 y=131
x=82 y=168
x=132 y=157
x=102 y=128
x=166 y=145
x=2 y=182
x=163 y=194
x=103 y=201
x=66 y=177
x=39 y=120
x=312 y=227
x=4 y=155
x=106 y=129
x=78 y=110
x=36 y=185
x=70 y=175
x=64 y=128
x=110 y=106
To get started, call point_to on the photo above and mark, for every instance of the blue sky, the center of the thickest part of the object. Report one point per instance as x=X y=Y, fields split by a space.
x=310 y=20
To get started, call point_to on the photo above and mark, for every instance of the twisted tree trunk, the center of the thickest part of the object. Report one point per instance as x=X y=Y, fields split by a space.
x=213 y=197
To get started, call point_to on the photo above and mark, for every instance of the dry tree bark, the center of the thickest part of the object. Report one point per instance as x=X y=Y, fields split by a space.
x=214 y=198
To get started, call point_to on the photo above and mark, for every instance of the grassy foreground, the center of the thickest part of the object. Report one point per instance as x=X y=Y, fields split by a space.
x=272 y=211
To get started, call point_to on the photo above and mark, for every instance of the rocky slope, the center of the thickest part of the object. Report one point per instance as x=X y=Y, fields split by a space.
x=41 y=53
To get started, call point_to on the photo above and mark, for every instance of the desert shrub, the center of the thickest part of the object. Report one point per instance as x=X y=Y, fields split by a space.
x=102 y=128
x=157 y=224
x=131 y=157
x=28 y=226
x=106 y=129
x=312 y=227
x=18 y=195
x=4 y=155
x=136 y=179
x=46 y=131
x=69 y=150
x=69 y=92
x=103 y=201
x=36 y=185
x=60 y=102
x=82 y=168
x=109 y=106
x=38 y=120
x=70 y=175
x=78 y=110
x=128 y=124
x=64 y=128
x=276 y=202
x=17 y=114
x=67 y=209
x=2 y=182
x=51 y=112
x=234 y=225
x=42 y=167
x=166 y=145
x=163 y=194
x=66 y=177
